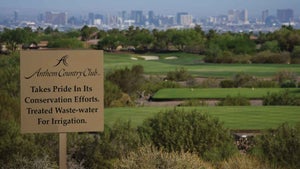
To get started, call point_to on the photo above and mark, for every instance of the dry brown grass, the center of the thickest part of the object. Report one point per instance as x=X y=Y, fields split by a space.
x=243 y=161
x=150 y=158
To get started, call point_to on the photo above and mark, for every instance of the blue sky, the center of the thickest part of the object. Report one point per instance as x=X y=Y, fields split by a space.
x=196 y=7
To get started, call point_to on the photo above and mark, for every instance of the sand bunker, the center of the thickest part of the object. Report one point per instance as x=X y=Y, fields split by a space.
x=134 y=58
x=150 y=57
x=171 y=57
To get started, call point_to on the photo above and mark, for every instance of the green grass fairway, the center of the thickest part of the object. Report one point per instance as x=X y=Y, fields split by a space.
x=234 y=117
x=218 y=93
x=193 y=64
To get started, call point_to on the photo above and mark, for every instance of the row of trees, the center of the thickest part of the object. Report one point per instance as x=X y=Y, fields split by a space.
x=218 y=47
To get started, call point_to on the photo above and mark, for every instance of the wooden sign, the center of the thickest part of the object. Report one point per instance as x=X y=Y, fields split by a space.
x=61 y=91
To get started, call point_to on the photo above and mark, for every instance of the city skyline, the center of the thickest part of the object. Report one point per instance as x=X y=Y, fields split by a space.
x=194 y=7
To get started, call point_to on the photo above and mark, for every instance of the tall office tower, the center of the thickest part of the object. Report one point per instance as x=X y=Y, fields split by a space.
x=186 y=20
x=91 y=18
x=243 y=16
x=124 y=15
x=138 y=17
x=233 y=15
x=265 y=14
x=56 y=18
x=285 y=15
x=151 y=17
x=99 y=19
x=179 y=17
x=16 y=16
x=40 y=17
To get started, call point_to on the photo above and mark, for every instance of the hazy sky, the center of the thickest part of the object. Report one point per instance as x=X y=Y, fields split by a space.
x=195 y=7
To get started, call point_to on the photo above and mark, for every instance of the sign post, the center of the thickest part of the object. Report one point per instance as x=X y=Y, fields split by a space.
x=62 y=91
x=62 y=150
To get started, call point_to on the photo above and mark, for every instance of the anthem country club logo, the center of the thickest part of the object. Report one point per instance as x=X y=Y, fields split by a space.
x=65 y=71
x=62 y=60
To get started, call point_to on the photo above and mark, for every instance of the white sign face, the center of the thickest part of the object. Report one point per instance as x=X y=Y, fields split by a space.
x=62 y=91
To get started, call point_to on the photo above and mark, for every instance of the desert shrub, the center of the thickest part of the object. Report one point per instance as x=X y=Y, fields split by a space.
x=234 y=101
x=30 y=163
x=112 y=93
x=123 y=101
x=243 y=161
x=128 y=80
x=295 y=61
x=266 y=84
x=227 y=84
x=285 y=75
x=244 y=80
x=153 y=84
x=296 y=52
x=270 y=57
x=192 y=83
x=9 y=87
x=99 y=150
x=188 y=131
x=178 y=75
x=281 y=98
x=193 y=102
x=210 y=83
x=151 y=158
x=280 y=146
x=15 y=147
x=288 y=84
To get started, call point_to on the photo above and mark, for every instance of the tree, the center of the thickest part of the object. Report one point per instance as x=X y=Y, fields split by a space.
x=66 y=43
x=50 y=30
x=161 y=40
x=272 y=46
x=87 y=32
x=295 y=55
x=16 y=37
x=287 y=38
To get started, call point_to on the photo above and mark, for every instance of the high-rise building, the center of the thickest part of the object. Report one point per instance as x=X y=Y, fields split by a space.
x=233 y=15
x=285 y=15
x=237 y=16
x=151 y=17
x=16 y=16
x=179 y=17
x=265 y=15
x=124 y=15
x=186 y=20
x=56 y=18
x=243 y=16
x=91 y=18
x=138 y=17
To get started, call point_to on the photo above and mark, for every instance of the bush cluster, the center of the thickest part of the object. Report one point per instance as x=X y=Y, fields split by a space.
x=128 y=80
x=193 y=102
x=189 y=131
x=180 y=74
x=283 y=98
x=25 y=150
x=234 y=101
x=270 y=57
x=281 y=146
